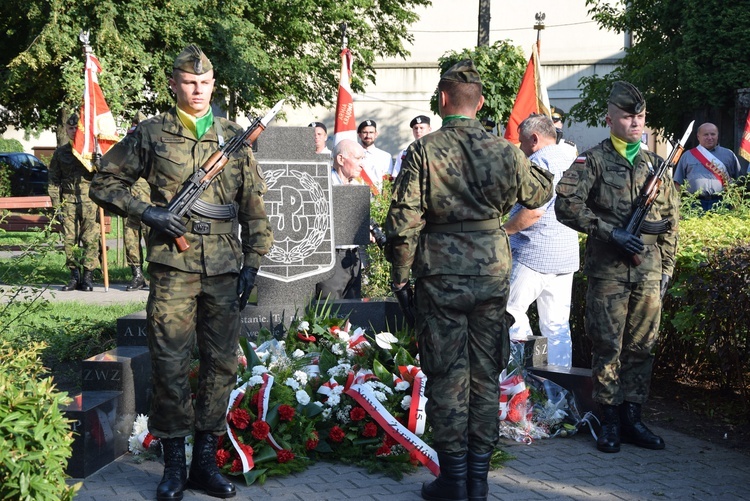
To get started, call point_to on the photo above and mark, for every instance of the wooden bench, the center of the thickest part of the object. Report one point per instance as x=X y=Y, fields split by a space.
x=16 y=221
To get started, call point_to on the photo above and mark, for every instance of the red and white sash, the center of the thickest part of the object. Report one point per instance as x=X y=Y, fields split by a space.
x=710 y=162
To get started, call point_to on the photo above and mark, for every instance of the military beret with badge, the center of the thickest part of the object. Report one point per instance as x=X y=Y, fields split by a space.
x=419 y=119
x=627 y=97
x=192 y=60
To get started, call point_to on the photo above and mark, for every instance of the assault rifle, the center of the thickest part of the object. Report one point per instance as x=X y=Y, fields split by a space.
x=649 y=192
x=194 y=187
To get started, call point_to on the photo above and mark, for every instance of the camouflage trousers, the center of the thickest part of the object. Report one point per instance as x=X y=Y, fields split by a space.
x=462 y=331
x=622 y=321
x=80 y=227
x=185 y=310
x=131 y=236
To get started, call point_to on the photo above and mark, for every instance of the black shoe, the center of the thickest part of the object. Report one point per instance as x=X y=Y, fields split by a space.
x=204 y=474
x=609 y=438
x=634 y=431
x=139 y=281
x=75 y=279
x=175 y=475
x=451 y=484
x=476 y=478
x=87 y=282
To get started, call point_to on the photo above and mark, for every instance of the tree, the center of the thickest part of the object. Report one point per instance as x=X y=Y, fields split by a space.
x=688 y=58
x=501 y=66
x=262 y=50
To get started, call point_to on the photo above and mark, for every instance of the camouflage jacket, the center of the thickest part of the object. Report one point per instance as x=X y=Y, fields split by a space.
x=596 y=195
x=458 y=173
x=163 y=152
x=69 y=180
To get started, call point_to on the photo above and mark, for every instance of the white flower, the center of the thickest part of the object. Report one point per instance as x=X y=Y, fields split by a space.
x=326 y=413
x=406 y=402
x=402 y=386
x=386 y=340
x=338 y=390
x=333 y=400
x=255 y=380
x=340 y=370
x=380 y=396
x=298 y=353
x=303 y=326
x=292 y=383
x=259 y=369
x=301 y=376
x=262 y=355
x=302 y=397
x=337 y=349
x=344 y=336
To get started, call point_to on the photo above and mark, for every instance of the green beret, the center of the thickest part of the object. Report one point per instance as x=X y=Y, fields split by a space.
x=627 y=97
x=462 y=72
x=72 y=119
x=192 y=60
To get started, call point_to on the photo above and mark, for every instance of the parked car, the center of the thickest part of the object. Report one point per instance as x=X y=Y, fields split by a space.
x=28 y=174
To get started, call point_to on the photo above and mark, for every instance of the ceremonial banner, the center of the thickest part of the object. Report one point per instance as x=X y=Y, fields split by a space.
x=745 y=140
x=345 y=126
x=96 y=126
x=531 y=98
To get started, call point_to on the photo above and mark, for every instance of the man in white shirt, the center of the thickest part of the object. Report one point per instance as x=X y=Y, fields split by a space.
x=420 y=125
x=378 y=163
x=321 y=136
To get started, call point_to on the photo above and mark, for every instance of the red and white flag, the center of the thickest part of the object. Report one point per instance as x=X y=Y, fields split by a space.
x=345 y=126
x=97 y=131
x=745 y=140
x=531 y=98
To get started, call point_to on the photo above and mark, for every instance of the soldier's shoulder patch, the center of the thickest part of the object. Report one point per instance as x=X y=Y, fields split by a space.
x=581 y=159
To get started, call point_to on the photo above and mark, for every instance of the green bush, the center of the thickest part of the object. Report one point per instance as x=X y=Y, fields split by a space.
x=35 y=439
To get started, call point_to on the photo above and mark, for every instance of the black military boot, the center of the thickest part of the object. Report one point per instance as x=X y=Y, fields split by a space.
x=87 y=282
x=476 y=479
x=451 y=484
x=75 y=279
x=175 y=471
x=634 y=431
x=204 y=474
x=139 y=281
x=609 y=439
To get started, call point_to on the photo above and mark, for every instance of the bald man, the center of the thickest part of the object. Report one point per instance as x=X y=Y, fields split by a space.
x=708 y=167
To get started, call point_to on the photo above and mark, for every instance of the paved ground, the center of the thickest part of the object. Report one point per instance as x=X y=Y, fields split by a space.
x=115 y=294
x=553 y=469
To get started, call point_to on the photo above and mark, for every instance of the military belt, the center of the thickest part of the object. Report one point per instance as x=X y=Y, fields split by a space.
x=209 y=228
x=463 y=226
x=214 y=211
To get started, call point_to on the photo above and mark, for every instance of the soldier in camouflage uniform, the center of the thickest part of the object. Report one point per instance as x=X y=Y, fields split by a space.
x=68 y=188
x=134 y=230
x=444 y=224
x=623 y=302
x=193 y=296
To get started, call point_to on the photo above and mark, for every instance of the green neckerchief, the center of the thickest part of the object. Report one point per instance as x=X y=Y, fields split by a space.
x=451 y=117
x=628 y=151
x=198 y=126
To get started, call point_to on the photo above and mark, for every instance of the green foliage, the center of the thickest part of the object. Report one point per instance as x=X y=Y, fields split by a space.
x=5 y=174
x=262 y=50
x=376 y=277
x=10 y=146
x=35 y=440
x=501 y=66
x=688 y=58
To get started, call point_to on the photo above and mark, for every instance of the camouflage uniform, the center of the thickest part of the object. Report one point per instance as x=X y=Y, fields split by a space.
x=193 y=294
x=69 y=184
x=623 y=307
x=134 y=229
x=460 y=173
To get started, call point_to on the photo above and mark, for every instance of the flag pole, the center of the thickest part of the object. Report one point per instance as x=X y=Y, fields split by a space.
x=539 y=26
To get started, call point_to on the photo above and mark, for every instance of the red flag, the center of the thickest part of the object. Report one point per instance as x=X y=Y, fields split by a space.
x=745 y=141
x=345 y=126
x=531 y=98
x=96 y=126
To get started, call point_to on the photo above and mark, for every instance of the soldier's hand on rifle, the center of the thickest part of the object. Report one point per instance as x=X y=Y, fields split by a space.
x=627 y=241
x=405 y=297
x=245 y=284
x=664 y=284
x=162 y=220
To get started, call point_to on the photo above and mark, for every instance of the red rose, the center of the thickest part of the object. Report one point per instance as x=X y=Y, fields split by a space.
x=357 y=414
x=247 y=450
x=222 y=457
x=371 y=430
x=239 y=418
x=284 y=456
x=286 y=412
x=336 y=435
x=260 y=430
x=236 y=466
x=383 y=450
x=312 y=443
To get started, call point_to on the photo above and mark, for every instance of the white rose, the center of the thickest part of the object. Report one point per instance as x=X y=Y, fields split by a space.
x=255 y=380
x=406 y=402
x=292 y=383
x=402 y=386
x=302 y=397
x=259 y=369
x=301 y=377
x=298 y=353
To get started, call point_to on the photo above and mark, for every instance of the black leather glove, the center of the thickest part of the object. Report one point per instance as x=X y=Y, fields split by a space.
x=627 y=241
x=245 y=284
x=405 y=297
x=162 y=220
x=664 y=284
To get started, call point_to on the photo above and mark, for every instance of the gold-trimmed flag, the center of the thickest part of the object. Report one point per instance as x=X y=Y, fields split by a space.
x=531 y=98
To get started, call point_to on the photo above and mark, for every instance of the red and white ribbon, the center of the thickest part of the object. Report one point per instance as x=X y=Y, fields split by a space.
x=235 y=398
x=509 y=387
